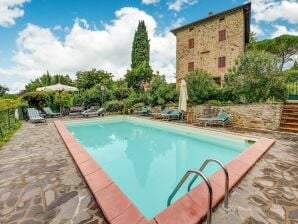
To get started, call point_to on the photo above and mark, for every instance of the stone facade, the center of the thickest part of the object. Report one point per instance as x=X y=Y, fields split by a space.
x=200 y=45
x=256 y=116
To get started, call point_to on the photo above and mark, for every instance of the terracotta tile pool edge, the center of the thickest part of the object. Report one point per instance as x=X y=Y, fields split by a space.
x=237 y=168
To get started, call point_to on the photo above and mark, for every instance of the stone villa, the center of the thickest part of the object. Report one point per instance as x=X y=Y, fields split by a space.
x=212 y=44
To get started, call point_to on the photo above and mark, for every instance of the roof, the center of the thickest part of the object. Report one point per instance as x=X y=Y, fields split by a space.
x=247 y=13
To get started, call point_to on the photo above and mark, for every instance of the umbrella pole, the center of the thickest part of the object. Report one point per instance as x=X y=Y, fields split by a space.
x=60 y=103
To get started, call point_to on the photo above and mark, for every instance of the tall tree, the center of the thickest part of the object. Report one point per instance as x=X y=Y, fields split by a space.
x=285 y=47
x=140 y=47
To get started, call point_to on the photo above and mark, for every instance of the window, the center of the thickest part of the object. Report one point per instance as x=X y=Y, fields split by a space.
x=191 y=66
x=191 y=43
x=190 y=29
x=221 y=19
x=222 y=62
x=222 y=35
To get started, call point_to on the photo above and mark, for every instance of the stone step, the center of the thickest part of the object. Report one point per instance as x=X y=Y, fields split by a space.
x=288 y=125
x=288 y=129
x=285 y=119
x=290 y=115
x=290 y=110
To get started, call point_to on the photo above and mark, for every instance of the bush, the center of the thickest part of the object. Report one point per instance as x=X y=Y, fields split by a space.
x=201 y=87
x=36 y=99
x=114 y=106
x=255 y=78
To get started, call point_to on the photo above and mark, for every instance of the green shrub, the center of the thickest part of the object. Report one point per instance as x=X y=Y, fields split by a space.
x=36 y=99
x=114 y=106
x=255 y=78
x=201 y=87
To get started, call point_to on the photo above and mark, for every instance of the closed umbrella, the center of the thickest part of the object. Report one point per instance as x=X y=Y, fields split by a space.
x=58 y=88
x=183 y=97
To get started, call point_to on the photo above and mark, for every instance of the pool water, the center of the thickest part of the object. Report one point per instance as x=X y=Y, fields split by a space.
x=147 y=160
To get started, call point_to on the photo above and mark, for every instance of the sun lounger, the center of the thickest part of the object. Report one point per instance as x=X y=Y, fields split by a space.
x=91 y=112
x=174 y=114
x=76 y=111
x=49 y=112
x=221 y=118
x=144 y=111
x=34 y=116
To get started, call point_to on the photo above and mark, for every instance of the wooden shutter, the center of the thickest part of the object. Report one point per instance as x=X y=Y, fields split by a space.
x=222 y=62
x=191 y=66
x=222 y=35
x=191 y=43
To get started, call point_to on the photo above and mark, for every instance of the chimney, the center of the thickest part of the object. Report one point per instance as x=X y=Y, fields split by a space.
x=210 y=13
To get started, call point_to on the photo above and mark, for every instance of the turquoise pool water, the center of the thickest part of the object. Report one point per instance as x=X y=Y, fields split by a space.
x=147 y=160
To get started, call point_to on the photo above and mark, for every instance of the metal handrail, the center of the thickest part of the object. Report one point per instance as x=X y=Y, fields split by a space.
x=210 y=196
x=226 y=202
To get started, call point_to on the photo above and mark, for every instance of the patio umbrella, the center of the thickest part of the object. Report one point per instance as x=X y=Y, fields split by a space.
x=183 y=96
x=58 y=88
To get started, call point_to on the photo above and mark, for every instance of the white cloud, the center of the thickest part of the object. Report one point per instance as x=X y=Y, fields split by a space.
x=272 y=10
x=10 y=10
x=39 y=50
x=281 y=30
x=58 y=28
x=177 y=5
x=148 y=2
x=256 y=29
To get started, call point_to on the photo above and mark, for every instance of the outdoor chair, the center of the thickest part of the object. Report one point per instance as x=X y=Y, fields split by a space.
x=49 y=112
x=91 y=112
x=174 y=114
x=221 y=118
x=145 y=111
x=76 y=110
x=34 y=116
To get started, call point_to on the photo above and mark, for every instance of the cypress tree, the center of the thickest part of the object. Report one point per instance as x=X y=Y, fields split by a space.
x=140 y=48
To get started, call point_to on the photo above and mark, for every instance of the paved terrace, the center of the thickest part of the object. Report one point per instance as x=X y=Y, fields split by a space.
x=39 y=183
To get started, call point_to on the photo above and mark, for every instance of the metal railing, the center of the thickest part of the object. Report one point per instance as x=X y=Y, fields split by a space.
x=226 y=202
x=292 y=90
x=7 y=120
x=210 y=196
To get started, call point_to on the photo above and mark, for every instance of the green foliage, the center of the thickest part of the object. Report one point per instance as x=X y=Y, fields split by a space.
x=36 y=99
x=201 y=87
x=255 y=78
x=3 y=90
x=8 y=103
x=120 y=89
x=47 y=80
x=137 y=77
x=114 y=106
x=160 y=92
x=284 y=47
x=88 y=79
x=140 y=48
x=9 y=133
x=66 y=99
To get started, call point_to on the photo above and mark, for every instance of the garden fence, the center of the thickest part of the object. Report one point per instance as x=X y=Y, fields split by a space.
x=7 y=120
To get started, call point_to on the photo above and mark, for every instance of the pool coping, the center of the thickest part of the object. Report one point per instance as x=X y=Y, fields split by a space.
x=190 y=208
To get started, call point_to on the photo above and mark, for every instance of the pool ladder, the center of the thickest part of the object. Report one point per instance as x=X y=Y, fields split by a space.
x=200 y=173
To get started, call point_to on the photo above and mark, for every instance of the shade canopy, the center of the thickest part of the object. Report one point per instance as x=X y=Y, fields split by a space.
x=58 y=88
x=183 y=97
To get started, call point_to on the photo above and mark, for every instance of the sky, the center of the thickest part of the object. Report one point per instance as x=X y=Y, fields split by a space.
x=66 y=36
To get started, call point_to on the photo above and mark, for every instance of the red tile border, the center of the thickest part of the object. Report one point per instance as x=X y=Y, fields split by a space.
x=191 y=208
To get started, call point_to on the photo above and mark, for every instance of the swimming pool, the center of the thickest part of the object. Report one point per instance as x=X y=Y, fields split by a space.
x=147 y=159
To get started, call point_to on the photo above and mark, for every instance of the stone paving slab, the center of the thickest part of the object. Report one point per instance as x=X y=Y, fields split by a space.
x=39 y=183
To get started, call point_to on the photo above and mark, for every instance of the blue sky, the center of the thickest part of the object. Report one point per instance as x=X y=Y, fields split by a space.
x=64 y=36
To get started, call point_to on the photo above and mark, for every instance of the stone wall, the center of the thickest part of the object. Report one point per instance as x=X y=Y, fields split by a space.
x=256 y=116
x=207 y=47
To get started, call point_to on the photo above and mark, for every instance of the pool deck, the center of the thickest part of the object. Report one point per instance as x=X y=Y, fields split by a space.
x=40 y=182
